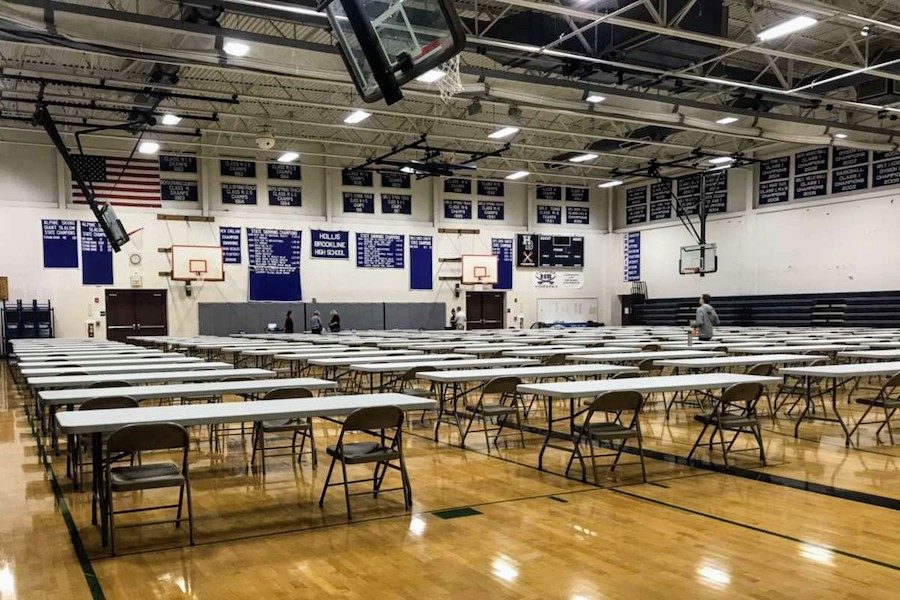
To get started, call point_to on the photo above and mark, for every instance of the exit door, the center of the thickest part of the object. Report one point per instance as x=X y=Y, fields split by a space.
x=135 y=312
x=485 y=310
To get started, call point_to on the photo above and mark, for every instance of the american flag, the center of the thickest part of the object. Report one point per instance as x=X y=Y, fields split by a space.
x=118 y=181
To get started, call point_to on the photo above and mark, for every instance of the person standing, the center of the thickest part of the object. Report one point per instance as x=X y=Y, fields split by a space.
x=460 y=318
x=452 y=318
x=315 y=323
x=334 y=323
x=289 y=322
x=706 y=319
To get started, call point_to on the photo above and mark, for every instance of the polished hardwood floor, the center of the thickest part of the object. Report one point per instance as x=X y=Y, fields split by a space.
x=820 y=521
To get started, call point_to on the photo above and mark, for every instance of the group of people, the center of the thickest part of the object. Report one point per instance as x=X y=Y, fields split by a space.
x=457 y=318
x=315 y=322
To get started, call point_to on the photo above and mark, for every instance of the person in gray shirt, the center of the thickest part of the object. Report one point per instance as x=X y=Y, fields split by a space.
x=706 y=319
x=315 y=323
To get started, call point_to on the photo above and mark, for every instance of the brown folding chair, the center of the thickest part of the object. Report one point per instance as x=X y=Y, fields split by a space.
x=888 y=400
x=509 y=403
x=650 y=348
x=554 y=360
x=765 y=371
x=302 y=428
x=216 y=431
x=383 y=426
x=131 y=439
x=735 y=412
x=615 y=426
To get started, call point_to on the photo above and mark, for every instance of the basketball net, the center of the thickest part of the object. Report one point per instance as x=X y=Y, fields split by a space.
x=451 y=83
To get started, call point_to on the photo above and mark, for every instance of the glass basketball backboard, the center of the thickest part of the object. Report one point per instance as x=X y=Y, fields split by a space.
x=698 y=259
x=387 y=43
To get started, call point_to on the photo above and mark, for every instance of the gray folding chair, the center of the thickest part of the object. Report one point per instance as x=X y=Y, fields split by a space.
x=765 y=371
x=81 y=444
x=302 y=428
x=610 y=417
x=509 y=404
x=735 y=412
x=383 y=426
x=888 y=400
x=146 y=438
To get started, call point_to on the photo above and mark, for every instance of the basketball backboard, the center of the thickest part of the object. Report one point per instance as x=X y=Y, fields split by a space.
x=197 y=263
x=698 y=259
x=479 y=268
x=387 y=43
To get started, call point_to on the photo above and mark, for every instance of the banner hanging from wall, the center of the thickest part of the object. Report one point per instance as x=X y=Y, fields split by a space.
x=274 y=265
x=420 y=262
x=329 y=244
x=502 y=248
x=379 y=251
x=632 y=258
x=558 y=280
x=230 y=240
x=96 y=255
x=60 y=240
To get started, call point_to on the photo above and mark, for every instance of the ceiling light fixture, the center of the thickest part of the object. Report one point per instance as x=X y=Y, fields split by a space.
x=727 y=120
x=787 y=27
x=170 y=119
x=503 y=132
x=583 y=157
x=841 y=136
x=594 y=98
x=407 y=169
x=865 y=31
x=289 y=156
x=148 y=147
x=721 y=160
x=233 y=48
x=609 y=184
x=431 y=75
x=357 y=116
x=518 y=175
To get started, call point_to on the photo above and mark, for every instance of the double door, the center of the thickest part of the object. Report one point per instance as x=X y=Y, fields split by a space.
x=135 y=312
x=485 y=310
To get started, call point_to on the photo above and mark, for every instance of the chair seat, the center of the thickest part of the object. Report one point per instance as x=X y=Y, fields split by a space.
x=363 y=452
x=727 y=420
x=883 y=402
x=492 y=409
x=608 y=431
x=279 y=426
x=141 y=477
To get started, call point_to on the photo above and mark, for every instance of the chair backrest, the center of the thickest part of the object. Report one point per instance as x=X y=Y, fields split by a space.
x=376 y=417
x=626 y=375
x=650 y=348
x=235 y=378
x=555 y=359
x=109 y=384
x=285 y=393
x=645 y=365
x=413 y=373
x=616 y=401
x=105 y=403
x=892 y=382
x=501 y=385
x=761 y=370
x=720 y=349
x=155 y=436
x=497 y=354
x=742 y=392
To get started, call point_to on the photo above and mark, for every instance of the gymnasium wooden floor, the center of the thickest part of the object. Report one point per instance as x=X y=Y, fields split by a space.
x=821 y=521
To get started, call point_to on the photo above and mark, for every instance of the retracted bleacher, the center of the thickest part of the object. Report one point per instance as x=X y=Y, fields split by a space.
x=851 y=309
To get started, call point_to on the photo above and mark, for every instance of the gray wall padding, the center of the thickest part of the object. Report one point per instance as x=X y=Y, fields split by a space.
x=223 y=318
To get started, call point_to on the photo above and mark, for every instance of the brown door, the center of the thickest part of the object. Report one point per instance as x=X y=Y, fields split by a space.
x=484 y=310
x=135 y=312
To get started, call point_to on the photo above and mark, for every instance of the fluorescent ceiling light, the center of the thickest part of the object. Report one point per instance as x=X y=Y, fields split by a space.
x=727 y=120
x=609 y=184
x=236 y=48
x=407 y=170
x=841 y=136
x=594 y=98
x=503 y=132
x=785 y=28
x=431 y=76
x=721 y=160
x=518 y=175
x=289 y=157
x=170 y=119
x=148 y=147
x=357 y=116
x=583 y=158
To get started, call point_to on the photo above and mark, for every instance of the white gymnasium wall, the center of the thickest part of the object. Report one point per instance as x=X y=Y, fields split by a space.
x=30 y=184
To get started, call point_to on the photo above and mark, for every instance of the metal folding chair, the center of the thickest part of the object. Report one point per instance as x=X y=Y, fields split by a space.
x=302 y=428
x=509 y=404
x=615 y=426
x=735 y=412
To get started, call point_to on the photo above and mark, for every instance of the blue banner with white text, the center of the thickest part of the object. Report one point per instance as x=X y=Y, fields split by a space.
x=420 y=262
x=274 y=264
x=502 y=248
x=96 y=255
x=60 y=240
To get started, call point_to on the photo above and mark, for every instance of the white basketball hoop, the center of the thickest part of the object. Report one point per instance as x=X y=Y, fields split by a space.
x=451 y=83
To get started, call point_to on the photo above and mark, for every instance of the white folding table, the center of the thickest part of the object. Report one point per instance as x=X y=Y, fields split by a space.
x=439 y=361
x=145 y=377
x=188 y=364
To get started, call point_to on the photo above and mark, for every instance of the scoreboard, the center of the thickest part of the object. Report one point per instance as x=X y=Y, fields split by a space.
x=533 y=250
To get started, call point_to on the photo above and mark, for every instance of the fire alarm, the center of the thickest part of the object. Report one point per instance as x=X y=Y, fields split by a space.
x=96 y=300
